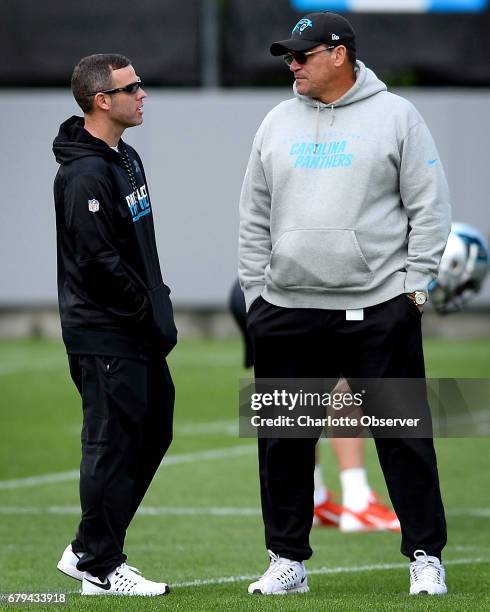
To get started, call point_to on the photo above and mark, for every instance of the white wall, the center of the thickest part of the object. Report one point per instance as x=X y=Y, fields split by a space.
x=195 y=147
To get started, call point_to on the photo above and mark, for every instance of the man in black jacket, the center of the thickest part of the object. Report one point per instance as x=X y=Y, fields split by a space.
x=116 y=318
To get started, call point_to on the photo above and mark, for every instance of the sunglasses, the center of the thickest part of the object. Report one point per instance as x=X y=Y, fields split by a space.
x=302 y=56
x=132 y=88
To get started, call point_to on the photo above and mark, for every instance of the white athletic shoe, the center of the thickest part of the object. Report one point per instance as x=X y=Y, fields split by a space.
x=427 y=575
x=68 y=563
x=124 y=580
x=282 y=578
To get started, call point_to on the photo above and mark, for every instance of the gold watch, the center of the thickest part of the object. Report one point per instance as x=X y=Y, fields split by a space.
x=418 y=297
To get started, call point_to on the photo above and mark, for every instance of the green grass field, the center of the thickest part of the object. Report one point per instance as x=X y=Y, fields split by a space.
x=199 y=527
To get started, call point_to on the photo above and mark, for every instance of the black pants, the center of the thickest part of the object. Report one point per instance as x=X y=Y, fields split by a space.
x=127 y=428
x=311 y=343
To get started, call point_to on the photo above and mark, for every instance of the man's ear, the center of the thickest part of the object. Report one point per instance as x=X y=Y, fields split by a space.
x=340 y=55
x=102 y=101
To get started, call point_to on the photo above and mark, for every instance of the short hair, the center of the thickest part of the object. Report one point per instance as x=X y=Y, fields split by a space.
x=92 y=74
x=352 y=56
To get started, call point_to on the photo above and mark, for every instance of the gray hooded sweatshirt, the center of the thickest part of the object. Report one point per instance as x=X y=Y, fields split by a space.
x=344 y=205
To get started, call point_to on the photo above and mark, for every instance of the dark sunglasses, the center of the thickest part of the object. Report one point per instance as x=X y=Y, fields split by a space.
x=302 y=56
x=132 y=88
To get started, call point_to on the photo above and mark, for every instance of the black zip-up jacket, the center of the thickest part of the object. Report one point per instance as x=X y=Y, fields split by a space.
x=111 y=295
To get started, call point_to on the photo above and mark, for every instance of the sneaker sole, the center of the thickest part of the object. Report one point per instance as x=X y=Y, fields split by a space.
x=303 y=589
x=326 y=519
x=114 y=594
x=426 y=592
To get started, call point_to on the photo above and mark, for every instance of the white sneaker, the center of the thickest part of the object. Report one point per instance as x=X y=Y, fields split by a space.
x=282 y=578
x=124 y=580
x=427 y=575
x=68 y=563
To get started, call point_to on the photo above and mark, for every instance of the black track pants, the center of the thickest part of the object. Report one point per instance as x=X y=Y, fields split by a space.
x=313 y=343
x=127 y=428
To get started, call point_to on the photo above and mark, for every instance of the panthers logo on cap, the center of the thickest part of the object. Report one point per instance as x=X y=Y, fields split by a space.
x=302 y=25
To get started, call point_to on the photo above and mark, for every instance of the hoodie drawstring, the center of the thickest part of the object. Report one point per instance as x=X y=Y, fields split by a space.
x=126 y=160
x=317 y=128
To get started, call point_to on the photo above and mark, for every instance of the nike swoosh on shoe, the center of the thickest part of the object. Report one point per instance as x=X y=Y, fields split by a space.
x=102 y=585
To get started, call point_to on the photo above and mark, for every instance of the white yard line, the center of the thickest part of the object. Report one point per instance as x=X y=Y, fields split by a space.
x=207 y=455
x=229 y=426
x=217 y=453
x=473 y=512
x=143 y=511
x=39 y=511
x=225 y=511
x=38 y=366
x=16 y=365
x=33 y=481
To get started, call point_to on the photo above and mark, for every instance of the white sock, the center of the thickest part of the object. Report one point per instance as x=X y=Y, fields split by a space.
x=355 y=489
x=321 y=492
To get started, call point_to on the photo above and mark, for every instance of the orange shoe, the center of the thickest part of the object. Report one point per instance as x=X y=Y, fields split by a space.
x=375 y=517
x=327 y=514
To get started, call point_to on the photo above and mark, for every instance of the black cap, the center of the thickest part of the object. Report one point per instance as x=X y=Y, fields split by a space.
x=317 y=29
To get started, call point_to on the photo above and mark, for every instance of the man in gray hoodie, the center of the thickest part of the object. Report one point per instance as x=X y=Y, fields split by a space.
x=344 y=215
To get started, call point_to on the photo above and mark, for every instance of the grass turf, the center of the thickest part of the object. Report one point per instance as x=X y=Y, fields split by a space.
x=39 y=434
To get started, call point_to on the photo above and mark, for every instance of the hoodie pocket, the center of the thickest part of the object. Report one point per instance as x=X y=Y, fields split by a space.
x=319 y=259
x=163 y=325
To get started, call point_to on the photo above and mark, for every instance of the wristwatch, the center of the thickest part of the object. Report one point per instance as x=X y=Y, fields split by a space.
x=418 y=297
